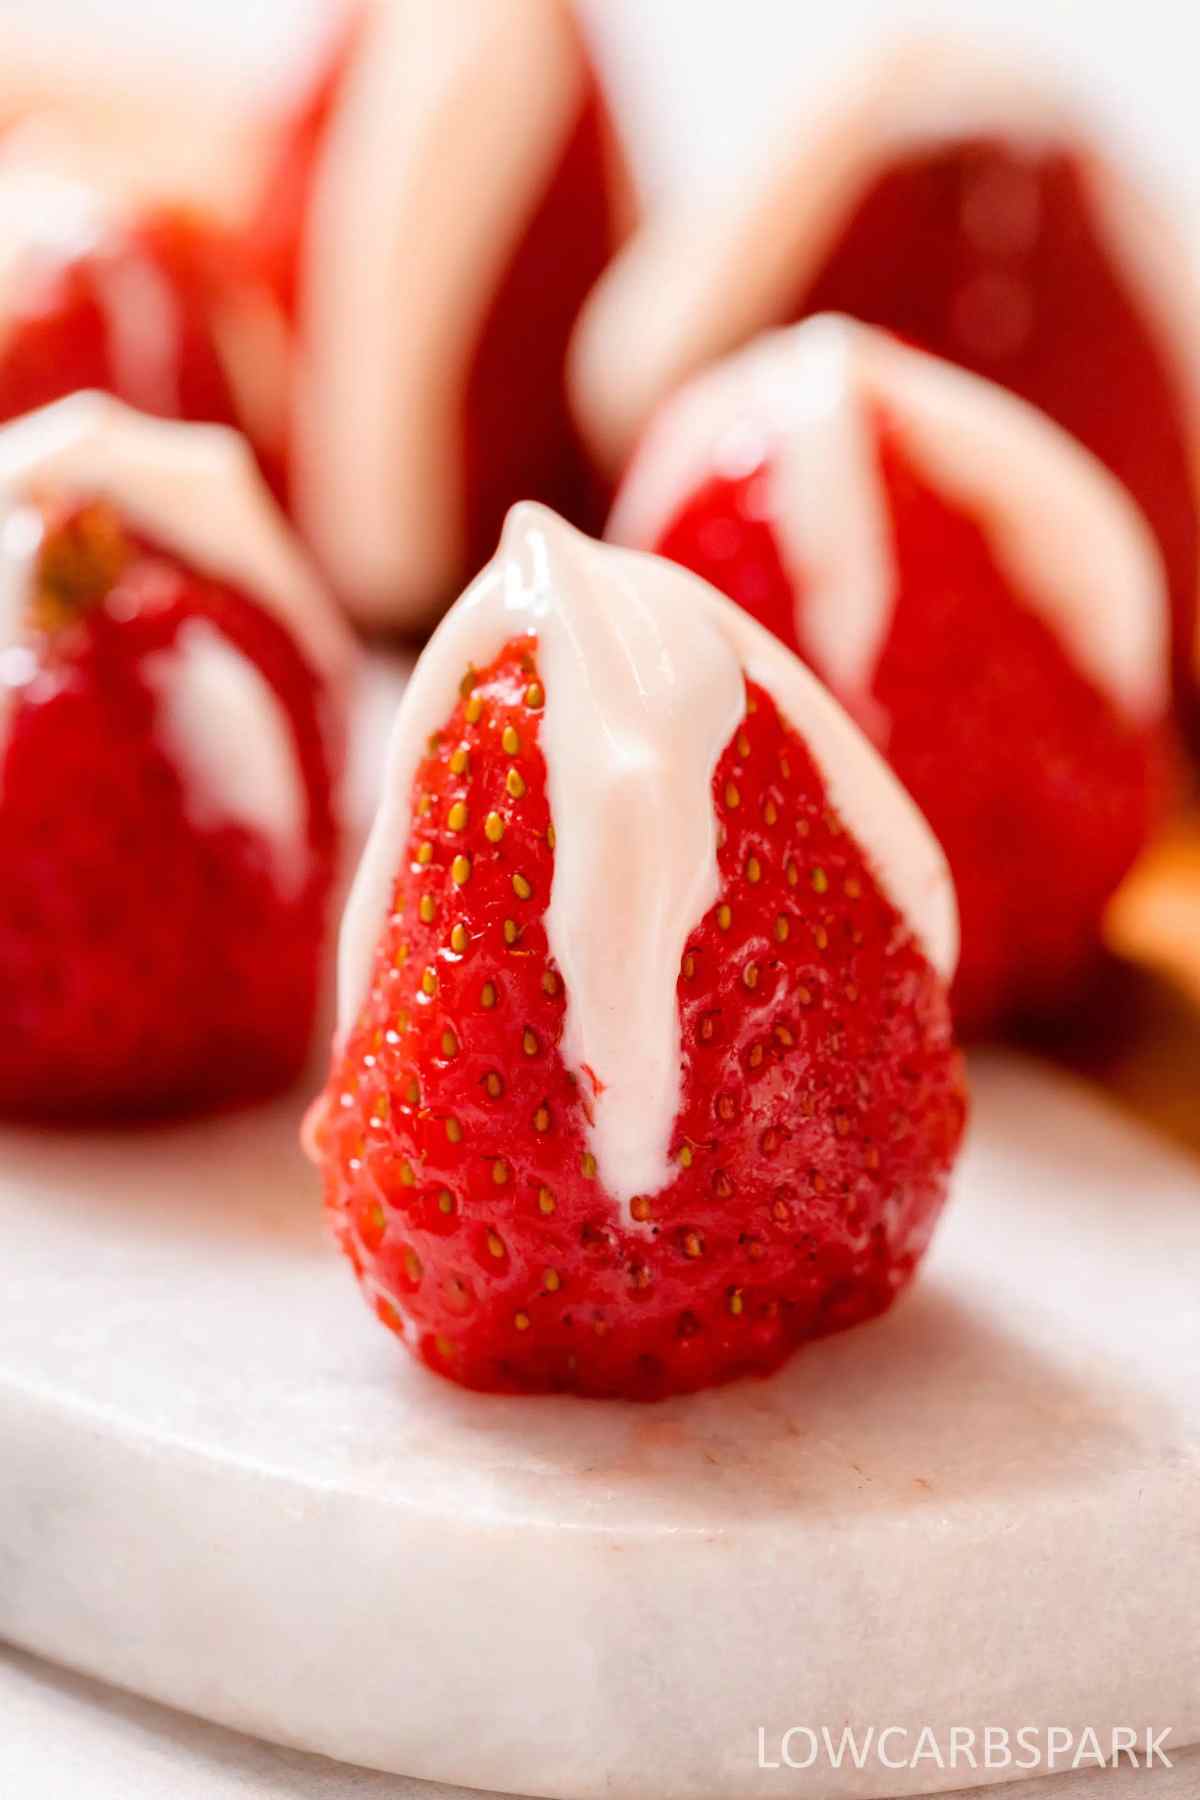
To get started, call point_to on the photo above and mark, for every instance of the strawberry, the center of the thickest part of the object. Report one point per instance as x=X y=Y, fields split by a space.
x=150 y=304
x=167 y=754
x=962 y=205
x=1038 y=765
x=1050 y=314
x=469 y=1174
x=537 y=200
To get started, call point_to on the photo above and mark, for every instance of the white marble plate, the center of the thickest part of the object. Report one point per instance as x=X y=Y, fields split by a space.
x=224 y=1487
x=64 y=1734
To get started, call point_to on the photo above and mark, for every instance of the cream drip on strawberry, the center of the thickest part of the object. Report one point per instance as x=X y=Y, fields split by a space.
x=227 y=733
x=47 y=219
x=643 y=667
x=448 y=113
x=804 y=400
x=20 y=542
x=195 y=491
x=43 y=216
x=694 y=285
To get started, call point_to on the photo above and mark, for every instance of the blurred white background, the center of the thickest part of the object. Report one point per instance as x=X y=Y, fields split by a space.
x=703 y=85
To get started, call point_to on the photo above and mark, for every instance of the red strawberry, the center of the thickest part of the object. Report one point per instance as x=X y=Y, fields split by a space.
x=1033 y=749
x=474 y=1177
x=401 y=478
x=962 y=207
x=168 y=741
x=151 y=306
x=1052 y=316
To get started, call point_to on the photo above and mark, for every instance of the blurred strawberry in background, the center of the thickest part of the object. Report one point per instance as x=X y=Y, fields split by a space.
x=957 y=199
x=171 y=741
x=446 y=192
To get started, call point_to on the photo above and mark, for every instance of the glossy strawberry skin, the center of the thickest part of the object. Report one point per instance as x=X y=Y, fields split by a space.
x=518 y=433
x=147 y=966
x=994 y=260
x=58 y=338
x=822 y=1096
x=1040 y=792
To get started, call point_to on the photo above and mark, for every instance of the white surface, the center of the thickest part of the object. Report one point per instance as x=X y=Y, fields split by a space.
x=66 y=1738
x=805 y=401
x=706 y=87
x=228 y=1488
x=644 y=668
x=63 y=1735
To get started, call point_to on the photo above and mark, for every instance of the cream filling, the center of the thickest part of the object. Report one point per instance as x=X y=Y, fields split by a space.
x=43 y=217
x=196 y=491
x=644 y=670
x=20 y=541
x=452 y=115
x=227 y=733
x=1074 y=546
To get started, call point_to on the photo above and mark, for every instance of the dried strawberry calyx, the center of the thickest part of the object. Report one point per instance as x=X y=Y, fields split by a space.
x=83 y=553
